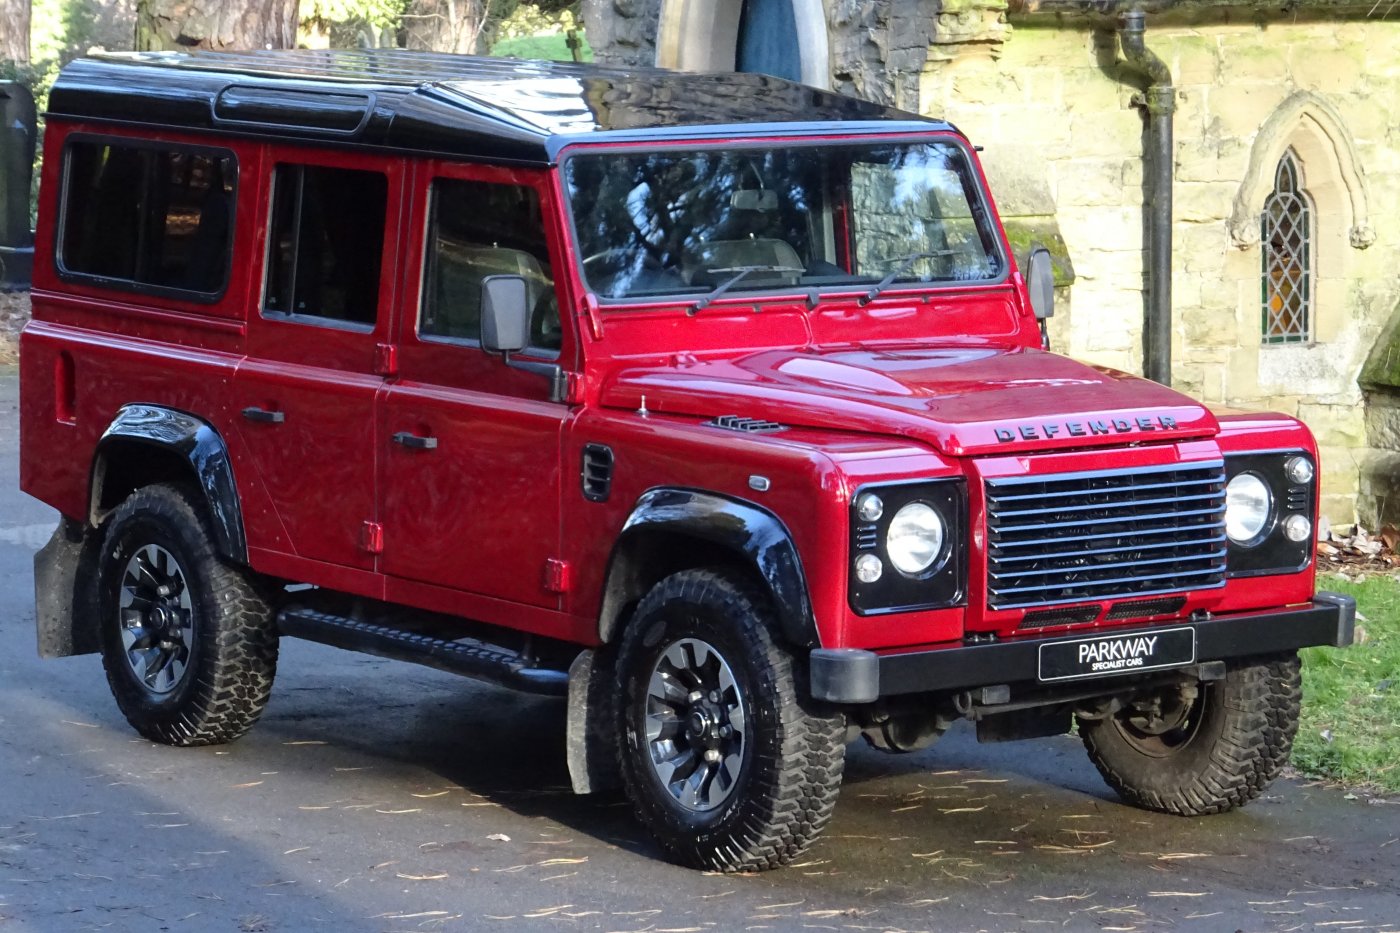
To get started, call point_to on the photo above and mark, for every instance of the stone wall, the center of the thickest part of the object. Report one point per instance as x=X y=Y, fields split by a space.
x=1051 y=96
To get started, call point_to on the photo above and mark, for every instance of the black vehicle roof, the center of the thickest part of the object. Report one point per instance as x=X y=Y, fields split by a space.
x=499 y=109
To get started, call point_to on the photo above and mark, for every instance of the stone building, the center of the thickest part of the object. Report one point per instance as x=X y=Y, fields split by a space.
x=1285 y=175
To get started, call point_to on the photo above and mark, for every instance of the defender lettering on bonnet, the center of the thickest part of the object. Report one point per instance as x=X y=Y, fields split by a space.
x=1085 y=428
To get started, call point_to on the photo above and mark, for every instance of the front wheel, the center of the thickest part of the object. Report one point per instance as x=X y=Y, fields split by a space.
x=727 y=761
x=1201 y=748
x=188 y=640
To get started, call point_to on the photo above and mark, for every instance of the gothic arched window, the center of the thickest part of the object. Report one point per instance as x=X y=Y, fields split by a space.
x=1287 y=240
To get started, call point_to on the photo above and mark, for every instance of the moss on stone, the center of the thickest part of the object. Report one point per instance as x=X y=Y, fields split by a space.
x=1382 y=367
x=1026 y=233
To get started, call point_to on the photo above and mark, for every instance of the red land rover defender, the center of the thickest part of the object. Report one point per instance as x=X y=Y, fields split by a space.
x=717 y=389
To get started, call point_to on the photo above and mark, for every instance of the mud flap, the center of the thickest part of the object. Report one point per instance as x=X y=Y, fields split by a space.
x=590 y=732
x=65 y=594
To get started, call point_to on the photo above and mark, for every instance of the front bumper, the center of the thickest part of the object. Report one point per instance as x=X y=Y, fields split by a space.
x=847 y=675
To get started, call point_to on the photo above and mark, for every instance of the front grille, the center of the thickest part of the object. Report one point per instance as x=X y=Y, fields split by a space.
x=1075 y=537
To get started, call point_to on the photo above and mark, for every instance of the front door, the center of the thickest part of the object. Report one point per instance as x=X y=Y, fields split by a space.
x=470 y=446
x=305 y=396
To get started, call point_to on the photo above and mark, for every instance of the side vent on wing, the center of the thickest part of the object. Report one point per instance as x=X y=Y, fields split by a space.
x=597 y=472
x=746 y=425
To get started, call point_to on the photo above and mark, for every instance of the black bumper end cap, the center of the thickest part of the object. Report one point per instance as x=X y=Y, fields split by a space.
x=1346 y=616
x=844 y=675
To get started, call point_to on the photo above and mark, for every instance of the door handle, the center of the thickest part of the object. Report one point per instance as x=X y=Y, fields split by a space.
x=415 y=441
x=254 y=413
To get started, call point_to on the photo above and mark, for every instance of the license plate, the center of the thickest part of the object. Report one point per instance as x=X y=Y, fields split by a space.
x=1106 y=655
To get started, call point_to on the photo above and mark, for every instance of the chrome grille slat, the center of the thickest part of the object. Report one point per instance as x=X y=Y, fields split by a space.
x=1093 y=552
x=1090 y=506
x=1126 y=518
x=1106 y=534
x=1100 y=568
x=1064 y=539
x=1174 y=484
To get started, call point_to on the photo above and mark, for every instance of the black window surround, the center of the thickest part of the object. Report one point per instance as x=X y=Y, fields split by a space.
x=116 y=283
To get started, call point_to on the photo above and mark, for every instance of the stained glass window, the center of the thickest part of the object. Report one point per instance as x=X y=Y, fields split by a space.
x=1286 y=236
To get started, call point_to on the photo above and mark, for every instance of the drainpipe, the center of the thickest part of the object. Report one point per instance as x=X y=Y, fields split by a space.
x=1159 y=103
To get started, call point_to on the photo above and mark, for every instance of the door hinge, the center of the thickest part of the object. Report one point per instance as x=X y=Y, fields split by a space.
x=386 y=359
x=573 y=389
x=372 y=537
x=557 y=575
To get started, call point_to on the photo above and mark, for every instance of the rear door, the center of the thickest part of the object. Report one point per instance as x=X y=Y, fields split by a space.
x=471 y=447
x=316 y=347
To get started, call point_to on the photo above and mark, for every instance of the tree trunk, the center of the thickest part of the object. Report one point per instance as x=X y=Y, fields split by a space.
x=215 y=24
x=14 y=31
x=445 y=25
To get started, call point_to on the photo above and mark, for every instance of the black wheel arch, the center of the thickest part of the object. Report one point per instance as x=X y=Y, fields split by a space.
x=148 y=444
x=677 y=528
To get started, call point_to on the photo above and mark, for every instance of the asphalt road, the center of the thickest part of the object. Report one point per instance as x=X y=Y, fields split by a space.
x=381 y=796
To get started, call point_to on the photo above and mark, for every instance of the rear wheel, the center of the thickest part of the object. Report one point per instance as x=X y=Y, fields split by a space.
x=727 y=761
x=1203 y=748
x=188 y=640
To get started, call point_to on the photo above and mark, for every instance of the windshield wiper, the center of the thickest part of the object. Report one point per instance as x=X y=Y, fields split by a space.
x=739 y=273
x=900 y=265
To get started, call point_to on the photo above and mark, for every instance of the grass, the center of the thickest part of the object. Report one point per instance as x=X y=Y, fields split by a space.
x=549 y=48
x=1350 y=728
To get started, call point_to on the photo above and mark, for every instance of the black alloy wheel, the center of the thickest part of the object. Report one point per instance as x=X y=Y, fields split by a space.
x=188 y=639
x=731 y=766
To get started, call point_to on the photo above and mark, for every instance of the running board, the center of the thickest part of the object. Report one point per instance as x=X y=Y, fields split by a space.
x=467 y=656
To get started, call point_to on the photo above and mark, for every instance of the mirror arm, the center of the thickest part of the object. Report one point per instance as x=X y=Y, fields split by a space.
x=558 y=380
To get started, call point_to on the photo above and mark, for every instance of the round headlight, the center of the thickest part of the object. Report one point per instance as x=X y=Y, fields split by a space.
x=870 y=508
x=1247 y=507
x=1297 y=528
x=1298 y=470
x=869 y=568
x=915 y=538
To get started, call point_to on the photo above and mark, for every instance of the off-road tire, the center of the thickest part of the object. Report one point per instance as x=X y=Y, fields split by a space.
x=233 y=657
x=787 y=787
x=1242 y=742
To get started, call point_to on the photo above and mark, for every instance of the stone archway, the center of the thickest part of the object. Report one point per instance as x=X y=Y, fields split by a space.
x=1310 y=125
x=703 y=35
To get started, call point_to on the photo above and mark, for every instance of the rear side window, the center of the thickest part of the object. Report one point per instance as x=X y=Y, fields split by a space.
x=326 y=243
x=148 y=217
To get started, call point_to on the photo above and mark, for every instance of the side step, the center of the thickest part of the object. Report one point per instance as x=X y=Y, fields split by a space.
x=466 y=656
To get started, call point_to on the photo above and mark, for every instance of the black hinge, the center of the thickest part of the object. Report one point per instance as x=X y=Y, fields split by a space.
x=597 y=472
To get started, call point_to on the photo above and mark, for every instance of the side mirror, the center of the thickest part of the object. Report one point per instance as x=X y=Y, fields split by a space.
x=1040 y=282
x=505 y=314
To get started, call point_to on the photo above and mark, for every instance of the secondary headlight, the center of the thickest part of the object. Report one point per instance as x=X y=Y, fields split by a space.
x=1248 y=504
x=915 y=538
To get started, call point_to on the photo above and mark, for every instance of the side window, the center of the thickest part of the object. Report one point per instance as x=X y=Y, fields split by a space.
x=326 y=243
x=148 y=216
x=477 y=229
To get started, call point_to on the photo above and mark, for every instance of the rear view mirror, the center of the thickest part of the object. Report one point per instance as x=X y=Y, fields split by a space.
x=754 y=199
x=505 y=314
x=1040 y=282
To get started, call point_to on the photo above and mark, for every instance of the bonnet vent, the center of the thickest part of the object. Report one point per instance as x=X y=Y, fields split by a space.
x=746 y=425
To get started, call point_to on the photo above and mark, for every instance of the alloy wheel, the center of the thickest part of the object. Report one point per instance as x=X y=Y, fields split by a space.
x=695 y=725
x=156 y=617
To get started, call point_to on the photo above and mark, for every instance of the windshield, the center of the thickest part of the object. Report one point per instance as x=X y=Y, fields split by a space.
x=654 y=224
